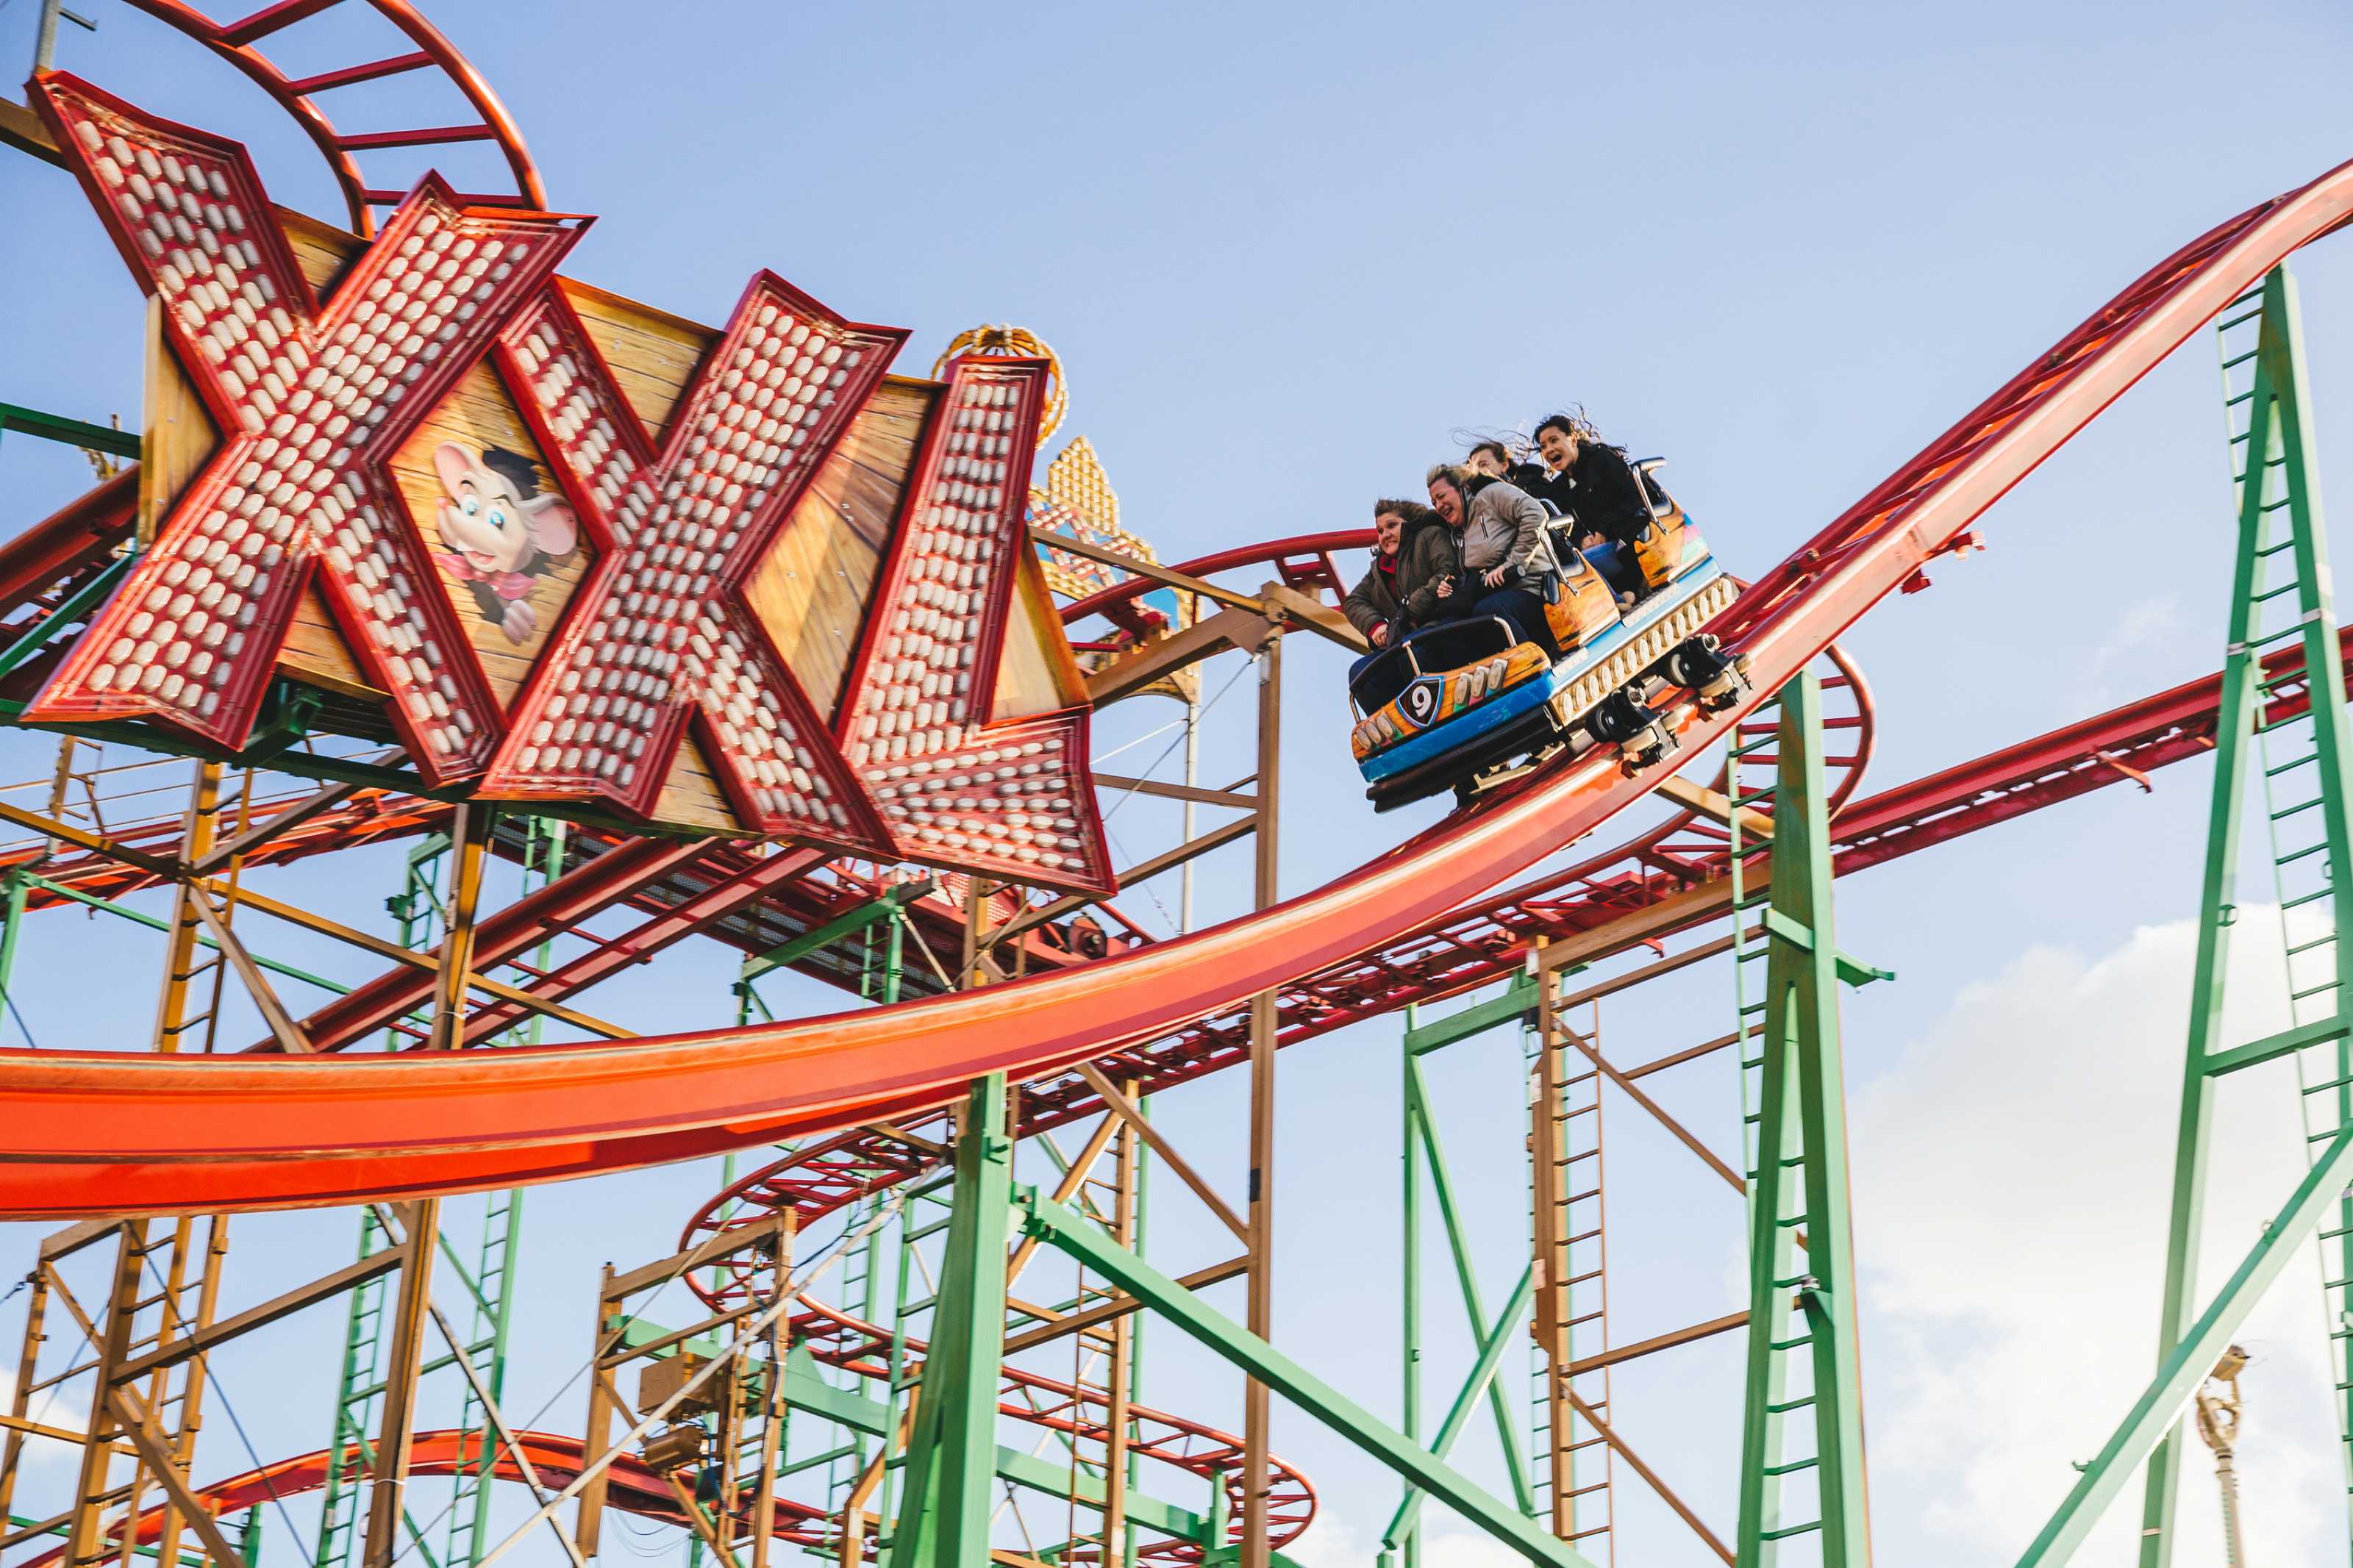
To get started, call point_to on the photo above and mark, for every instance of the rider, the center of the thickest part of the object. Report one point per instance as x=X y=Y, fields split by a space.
x=1501 y=529
x=1494 y=459
x=1592 y=481
x=1411 y=579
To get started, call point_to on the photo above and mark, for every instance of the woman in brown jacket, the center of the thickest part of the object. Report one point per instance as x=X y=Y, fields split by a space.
x=1413 y=578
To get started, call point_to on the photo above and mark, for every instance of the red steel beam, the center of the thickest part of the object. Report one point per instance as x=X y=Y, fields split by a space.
x=721 y=895
x=562 y=905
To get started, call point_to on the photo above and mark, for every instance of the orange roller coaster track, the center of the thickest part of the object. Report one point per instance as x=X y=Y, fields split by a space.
x=92 y=1133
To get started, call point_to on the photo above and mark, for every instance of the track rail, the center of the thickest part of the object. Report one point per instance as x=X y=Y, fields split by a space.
x=433 y=55
x=91 y=1133
x=636 y=1487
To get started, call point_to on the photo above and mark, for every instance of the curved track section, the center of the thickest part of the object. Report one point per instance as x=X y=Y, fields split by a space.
x=1201 y=1451
x=635 y=1488
x=433 y=55
x=93 y=1132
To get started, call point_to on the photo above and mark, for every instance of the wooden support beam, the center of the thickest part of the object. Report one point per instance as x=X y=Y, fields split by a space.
x=662 y=1342
x=155 y=1452
x=282 y=1024
x=702 y=1522
x=1138 y=567
x=1233 y=797
x=198 y=1341
x=35 y=1429
x=1064 y=1190
x=96 y=843
x=74 y=1237
x=25 y=131
x=1618 y=1353
x=718 y=1244
x=1166 y=861
x=1666 y=1493
x=1265 y=1018
x=1119 y=1306
x=295 y=915
x=1156 y=660
x=1130 y=1112
x=261 y=833
x=1669 y=914
x=1755 y=826
x=1659 y=1114
x=1688 y=1054
x=1315 y=616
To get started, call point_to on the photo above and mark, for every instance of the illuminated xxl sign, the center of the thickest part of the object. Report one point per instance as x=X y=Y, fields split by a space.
x=544 y=525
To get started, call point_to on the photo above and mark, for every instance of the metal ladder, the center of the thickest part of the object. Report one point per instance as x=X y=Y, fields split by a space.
x=417 y=913
x=2288 y=589
x=906 y=1376
x=418 y=916
x=1572 y=1465
x=1101 y=1347
x=167 y=1271
x=1789 y=1426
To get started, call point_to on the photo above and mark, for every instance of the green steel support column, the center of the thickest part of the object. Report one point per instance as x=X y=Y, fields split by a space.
x=1801 y=1295
x=2187 y=1364
x=1409 y=1258
x=489 y=1284
x=1064 y=1230
x=1405 y=1525
x=952 y=1452
x=2277 y=472
x=491 y=1287
x=1466 y=1280
x=12 y=921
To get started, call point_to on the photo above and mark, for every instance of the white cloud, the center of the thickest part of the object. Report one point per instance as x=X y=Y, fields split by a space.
x=2012 y=1173
x=1334 y=1542
x=1330 y=1543
x=49 y=1410
x=2145 y=623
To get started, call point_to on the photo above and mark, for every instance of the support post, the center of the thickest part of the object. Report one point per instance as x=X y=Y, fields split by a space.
x=2276 y=472
x=943 y=1519
x=1257 y=1411
x=1800 y=1251
x=1078 y=1239
x=421 y=1220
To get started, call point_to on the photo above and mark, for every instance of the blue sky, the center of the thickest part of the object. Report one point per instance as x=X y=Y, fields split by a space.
x=1287 y=252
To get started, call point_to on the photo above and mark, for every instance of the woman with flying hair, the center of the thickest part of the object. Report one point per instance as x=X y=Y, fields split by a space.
x=1592 y=481
x=1499 y=532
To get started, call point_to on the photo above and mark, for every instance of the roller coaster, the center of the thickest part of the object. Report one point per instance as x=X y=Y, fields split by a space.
x=995 y=1009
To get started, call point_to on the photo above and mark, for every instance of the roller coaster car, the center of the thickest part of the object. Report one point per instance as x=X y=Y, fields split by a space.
x=1465 y=705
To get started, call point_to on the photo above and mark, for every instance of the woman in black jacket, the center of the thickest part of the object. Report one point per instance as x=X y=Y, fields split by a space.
x=1591 y=480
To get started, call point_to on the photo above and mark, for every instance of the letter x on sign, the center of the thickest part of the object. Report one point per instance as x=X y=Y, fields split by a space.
x=312 y=399
x=661 y=633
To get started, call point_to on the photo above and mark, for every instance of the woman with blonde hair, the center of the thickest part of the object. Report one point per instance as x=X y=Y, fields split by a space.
x=1500 y=529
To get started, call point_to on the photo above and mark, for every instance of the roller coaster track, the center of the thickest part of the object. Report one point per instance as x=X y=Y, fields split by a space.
x=97 y=1133
x=1198 y=1450
x=636 y=1487
x=431 y=56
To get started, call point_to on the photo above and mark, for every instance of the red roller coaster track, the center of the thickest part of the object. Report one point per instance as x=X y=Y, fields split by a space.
x=95 y=1132
x=433 y=55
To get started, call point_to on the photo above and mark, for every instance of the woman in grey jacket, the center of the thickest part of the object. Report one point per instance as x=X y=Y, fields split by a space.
x=1500 y=528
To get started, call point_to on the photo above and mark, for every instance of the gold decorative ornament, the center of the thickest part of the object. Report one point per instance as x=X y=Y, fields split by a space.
x=1003 y=341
